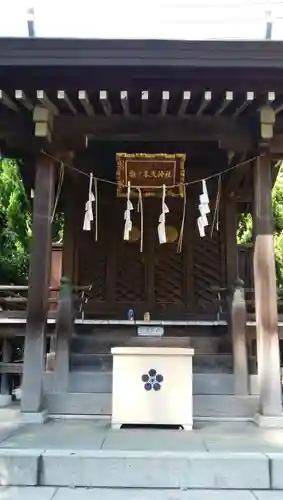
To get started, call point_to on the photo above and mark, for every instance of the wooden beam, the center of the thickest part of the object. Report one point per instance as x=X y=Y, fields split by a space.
x=278 y=108
x=62 y=96
x=225 y=103
x=205 y=101
x=85 y=102
x=235 y=177
x=185 y=101
x=105 y=103
x=268 y=352
x=7 y=101
x=125 y=102
x=249 y=98
x=145 y=101
x=24 y=100
x=45 y=101
x=16 y=368
x=164 y=102
x=276 y=145
x=205 y=128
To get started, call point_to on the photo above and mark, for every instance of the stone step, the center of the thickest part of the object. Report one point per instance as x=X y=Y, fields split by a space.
x=204 y=406
x=202 y=363
x=51 y=493
x=138 y=469
x=128 y=470
x=91 y=381
x=95 y=344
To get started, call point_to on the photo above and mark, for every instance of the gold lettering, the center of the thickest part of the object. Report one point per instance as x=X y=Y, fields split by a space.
x=168 y=175
x=160 y=174
x=147 y=175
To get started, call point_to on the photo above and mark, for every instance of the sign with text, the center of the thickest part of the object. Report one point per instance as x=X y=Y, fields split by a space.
x=150 y=172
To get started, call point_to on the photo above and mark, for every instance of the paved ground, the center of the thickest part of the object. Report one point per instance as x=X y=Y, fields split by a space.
x=97 y=434
x=98 y=494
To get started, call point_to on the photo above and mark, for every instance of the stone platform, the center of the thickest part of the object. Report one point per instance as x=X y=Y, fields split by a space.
x=237 y=458
x=41 y=493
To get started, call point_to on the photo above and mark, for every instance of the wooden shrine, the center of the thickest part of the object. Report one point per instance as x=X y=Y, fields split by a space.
x=71 y=110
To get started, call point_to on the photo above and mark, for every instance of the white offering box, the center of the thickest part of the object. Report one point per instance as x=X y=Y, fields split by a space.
x=152 y=385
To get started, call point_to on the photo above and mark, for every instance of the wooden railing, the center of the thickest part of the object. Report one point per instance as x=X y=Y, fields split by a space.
x=13 y=298
x=69 y=303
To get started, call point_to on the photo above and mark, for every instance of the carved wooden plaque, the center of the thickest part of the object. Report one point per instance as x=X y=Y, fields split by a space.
x=149 y=172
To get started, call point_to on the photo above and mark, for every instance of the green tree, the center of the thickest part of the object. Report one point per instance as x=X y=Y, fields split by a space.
x=245 y=226
x=15 y=225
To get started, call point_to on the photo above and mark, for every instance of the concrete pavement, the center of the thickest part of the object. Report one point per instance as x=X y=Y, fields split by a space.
x=64 y=453
x=126 y=494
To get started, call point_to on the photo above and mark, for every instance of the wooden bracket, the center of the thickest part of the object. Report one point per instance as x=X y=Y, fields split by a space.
x=43 y=120
x=267 y=121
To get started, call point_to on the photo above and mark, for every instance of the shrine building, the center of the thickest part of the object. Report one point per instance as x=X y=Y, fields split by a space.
x=151 y=150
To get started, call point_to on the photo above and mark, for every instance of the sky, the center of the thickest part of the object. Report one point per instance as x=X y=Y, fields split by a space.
x=158 y=19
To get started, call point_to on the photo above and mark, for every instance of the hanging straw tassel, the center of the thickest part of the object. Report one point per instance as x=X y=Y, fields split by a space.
x=140 y=209
x=127 y=215
x=59 y=188
x=96 y=208
x=88 y=206
x=215 y=221
x=181 y=234
x=204 y=210
x=161 y=225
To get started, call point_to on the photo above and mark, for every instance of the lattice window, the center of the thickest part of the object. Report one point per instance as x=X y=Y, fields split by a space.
x=92 y=265
x=169 y=276
x=207 y=271
x=130 y=274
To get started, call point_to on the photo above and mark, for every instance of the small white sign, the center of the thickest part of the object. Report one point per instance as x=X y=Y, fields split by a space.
x=150 y=331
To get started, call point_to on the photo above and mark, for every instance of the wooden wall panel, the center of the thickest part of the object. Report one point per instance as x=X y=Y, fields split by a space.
x=158 y=280
x=130 y=274
x=207 y=271
x=92 y=266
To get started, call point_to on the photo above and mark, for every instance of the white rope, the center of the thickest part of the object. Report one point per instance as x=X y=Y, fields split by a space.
x=196 y=181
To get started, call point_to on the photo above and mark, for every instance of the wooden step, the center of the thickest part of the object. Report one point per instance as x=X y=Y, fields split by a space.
x=88 y=344
x=102 y=362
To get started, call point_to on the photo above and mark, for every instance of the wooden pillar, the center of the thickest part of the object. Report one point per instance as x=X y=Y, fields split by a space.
x=265 y=292
x=237 y=303
x=231 y=241
x=70 y=221
x=239 y=341
x=64 y=331
x=39 y=279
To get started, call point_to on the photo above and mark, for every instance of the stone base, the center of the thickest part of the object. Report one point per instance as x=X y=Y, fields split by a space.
x=266 y=421
x=34 y=417
x=5 y=400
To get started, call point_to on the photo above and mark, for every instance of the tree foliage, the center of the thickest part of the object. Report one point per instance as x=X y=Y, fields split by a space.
x=245 y=226
x=15 y=224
